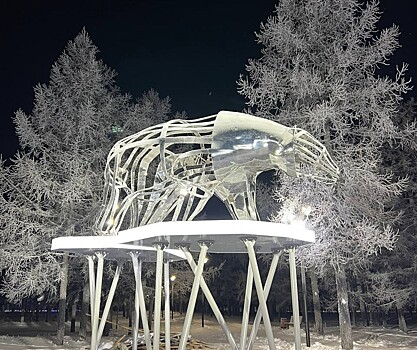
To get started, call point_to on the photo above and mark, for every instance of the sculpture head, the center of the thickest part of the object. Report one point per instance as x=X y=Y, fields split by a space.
x=258 y=144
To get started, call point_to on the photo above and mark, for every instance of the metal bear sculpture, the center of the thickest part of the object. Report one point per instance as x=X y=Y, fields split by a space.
x=171 y=170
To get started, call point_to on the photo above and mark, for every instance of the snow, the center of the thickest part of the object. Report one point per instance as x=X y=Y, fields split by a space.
x=40 y=336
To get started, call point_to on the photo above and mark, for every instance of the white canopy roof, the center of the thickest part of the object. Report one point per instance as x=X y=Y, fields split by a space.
x=226 y=236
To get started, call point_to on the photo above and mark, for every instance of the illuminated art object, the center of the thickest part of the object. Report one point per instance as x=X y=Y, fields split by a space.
x=158 y=180
x=170 y=171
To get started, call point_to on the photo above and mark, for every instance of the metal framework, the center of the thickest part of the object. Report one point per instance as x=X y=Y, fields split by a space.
x=170 y=171
x=218 y=236
x=158 y=180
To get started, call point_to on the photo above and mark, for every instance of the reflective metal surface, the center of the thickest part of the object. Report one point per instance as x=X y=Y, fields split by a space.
x=171 y=170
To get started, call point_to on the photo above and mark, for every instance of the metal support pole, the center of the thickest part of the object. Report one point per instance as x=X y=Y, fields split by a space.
x=97 y=296
x=294 y=296
x=92 y=283
x=202 y=308
x=209 y=297
x=172 y=300
x=267 y=288
x=135 y=328
x=193 y=297
x=250 y=242
x=304 y=288
x=109 y=301
x=167 y=321
x=246 y=308
x=137 y=268
x=158 y=293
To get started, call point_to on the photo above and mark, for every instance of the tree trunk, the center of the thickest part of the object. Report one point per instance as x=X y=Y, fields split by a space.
x=343 y=308
x=129 y=313
x=73 y=315
x=364 y=316
x=150 y=311
x=111 y=317
x=401 y=320
x=62 y=300
x=84 y=308
x=22 y=310
x=37 y=312
x=117 y=318
x=48 y=312
x=318 y=321
x=352 y=306
x=385 y=317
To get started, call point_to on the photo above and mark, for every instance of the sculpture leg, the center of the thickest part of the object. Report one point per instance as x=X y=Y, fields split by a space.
x=209 y=297
x=250 y=242
x=246 y=308
x=193 y=296
x=267 y=288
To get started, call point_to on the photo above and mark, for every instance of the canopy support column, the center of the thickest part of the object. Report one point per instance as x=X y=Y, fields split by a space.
x=294 y=297
x=139 y=303
x=160 y=246
x=209 y=297
x=246 y=308
x=250 y=243
x=95 y=295
x=204 y=246
x=109 y=300
x=92 y=284
x=167 y=306
x=267 y=288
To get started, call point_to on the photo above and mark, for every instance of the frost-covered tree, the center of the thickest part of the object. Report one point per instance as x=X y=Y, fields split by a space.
x=319 y=70
x=392 y=280
x=54 y=185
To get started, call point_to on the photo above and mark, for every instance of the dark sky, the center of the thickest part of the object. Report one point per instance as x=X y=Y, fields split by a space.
x=192 y=51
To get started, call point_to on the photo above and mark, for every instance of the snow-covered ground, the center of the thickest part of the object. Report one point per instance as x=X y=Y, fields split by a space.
x=40 y=336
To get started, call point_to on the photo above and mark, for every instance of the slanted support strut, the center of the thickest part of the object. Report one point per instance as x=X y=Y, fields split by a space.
x=204 y=246
x=250 y=243
x=139 y=303
x=95 y=280
x=209 y=297
x=267 y=288
x=246 y=308
x=92 y=284
x=109 y=300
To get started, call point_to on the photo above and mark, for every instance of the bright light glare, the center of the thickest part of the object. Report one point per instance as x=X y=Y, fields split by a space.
x=306 y=210
x=173 y=278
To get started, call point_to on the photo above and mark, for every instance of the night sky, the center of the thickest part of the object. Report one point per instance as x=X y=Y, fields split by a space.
x=191 y=51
